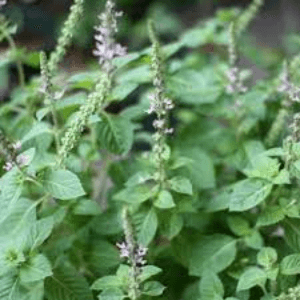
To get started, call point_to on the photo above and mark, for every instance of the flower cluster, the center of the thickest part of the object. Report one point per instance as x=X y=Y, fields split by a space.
x=137 y=256
x=293 y=294
x=287 y=87
x=236 y=84
x=107 y=48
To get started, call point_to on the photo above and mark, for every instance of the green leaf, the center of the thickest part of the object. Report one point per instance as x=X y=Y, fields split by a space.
x=153 y=288
x=219 y=202
x=252 y=277
x=40 y=231
x=164 y=200
x=267 y=257
x=62 y=184
x=254 y=240
x=248 y=193
x=181 y=185
x=147 y=227
x=67 y=284
x=215 y=253
x=194 y=87
x=239 y=225
x=106 y=283
x=282 y=178
x=136 y=194
x=290 y=265
x=210 y=286
x=122 y=90
x=138 y=178
x=270 y=215
x=148 y=271
x=172 y=225
x=115 y=133
x=37 y=129
x=112 y=294
x=87 y=207
x=37 y=268
x=292 y=233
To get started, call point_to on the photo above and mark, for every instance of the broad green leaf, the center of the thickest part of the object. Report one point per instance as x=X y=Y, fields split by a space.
x=172 y=225
x=67 y=284
x=106 y=282
x=122 y=90
x=248 y=193
x=181 y=185
x=239 y=225
x=252 y=277
x=282 y=178
x=115 y=133
x=153 y=288
x=270 y=215
x=37 y=268
x=40 y=231
x=254 y=240
x=211 y=286
x=112 y=294
x=292 y=233
x=147 y=227
x=87 y=207
x=138 y=178
x=37 y=129
x=149 y=271
x=219 y=202
x=194 y=87
x=136 y=194
x=267 y=257
x=214 y=253
x=290 y=265
x=164 y=200
x=62 y=184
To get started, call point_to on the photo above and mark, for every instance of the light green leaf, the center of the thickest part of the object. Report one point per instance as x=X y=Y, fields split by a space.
x=290 y=265
x=67 y=284
x=106 y=282
x=112 y=294
x=115 y=133
x=62 y=184
x=248 y=193
x=164 y=200
x=40 y=231
x=153 y=288
x=254 y=240
x=219 y=202
x=266 y=257
x=37 y=268
x=292 y=233
x=181 y=185
x=211 y=286
x=122 y=90
x=282 y=178
x=37 y=129
x=215 y=253
x=252 y=277
x=270 y=215
x=149 y=271
x=239 y=225
x=194 y=87
x=147 y=227
x=138 y=178
x=87 y=208
x=136 y=194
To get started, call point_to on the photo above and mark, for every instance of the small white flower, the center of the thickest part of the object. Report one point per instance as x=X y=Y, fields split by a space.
x=124 y=249
x=17 y=145
x=22 y=160
x=8 y=166
x=158 y=123
x=2 y=3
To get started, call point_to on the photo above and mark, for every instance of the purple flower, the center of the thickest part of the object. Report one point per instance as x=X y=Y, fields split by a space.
x=8 y=166
x=17 y=145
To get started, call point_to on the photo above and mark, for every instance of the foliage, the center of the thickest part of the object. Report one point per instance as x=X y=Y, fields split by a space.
x=205 y=206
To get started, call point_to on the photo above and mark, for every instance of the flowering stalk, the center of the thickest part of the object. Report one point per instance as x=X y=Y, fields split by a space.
x=107 y=49
x=66 y=35
x=134 y=253
x=293 y=294
x=49 y=96
x=161 y=105
x=10 y=153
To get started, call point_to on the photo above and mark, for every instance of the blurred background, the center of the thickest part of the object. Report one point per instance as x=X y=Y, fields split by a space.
x=274 y=31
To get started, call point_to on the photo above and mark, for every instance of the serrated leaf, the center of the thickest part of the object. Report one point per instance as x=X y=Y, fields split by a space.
x=270 y=215
x=62 y=184
x=67 y=284
x=37 y=268
x=153 y=288
x=164 y=200
x=147 y=228
x=215 y=253
x=252 y=277
x=149 y=271
x=290 y=265
x=135 y=195
x=106 y=282
x=115 y=133
x=266 y=257
x=248 y=193
x=210 y=286
x=181 y=185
